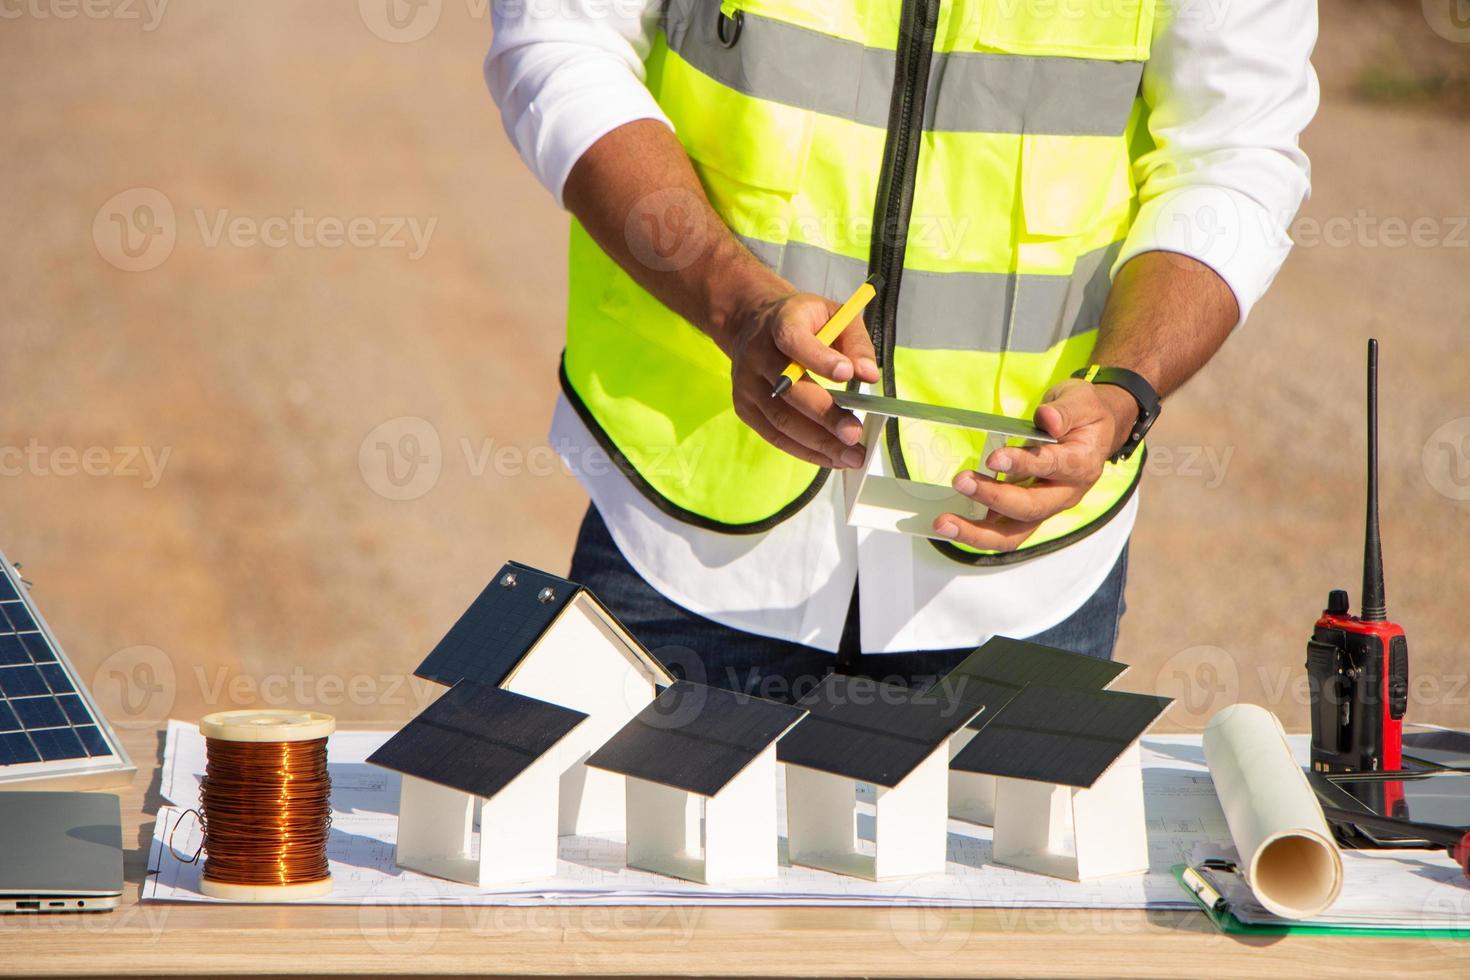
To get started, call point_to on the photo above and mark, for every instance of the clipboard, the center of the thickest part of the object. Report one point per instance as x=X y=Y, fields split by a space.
x=1202 y=885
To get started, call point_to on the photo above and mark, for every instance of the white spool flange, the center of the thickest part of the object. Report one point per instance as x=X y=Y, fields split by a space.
x=267 y=725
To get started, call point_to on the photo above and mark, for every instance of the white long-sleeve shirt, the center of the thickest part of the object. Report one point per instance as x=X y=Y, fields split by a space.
x=1229 y=87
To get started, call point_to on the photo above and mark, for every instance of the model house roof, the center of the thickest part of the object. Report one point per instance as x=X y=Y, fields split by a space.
x=870 y=731
x=695 y=738
x=476 y=738
x=994 y=673
x=506 y=621
x=1059 y=735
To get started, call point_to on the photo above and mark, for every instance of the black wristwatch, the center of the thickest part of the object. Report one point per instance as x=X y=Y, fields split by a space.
x=1142 y=392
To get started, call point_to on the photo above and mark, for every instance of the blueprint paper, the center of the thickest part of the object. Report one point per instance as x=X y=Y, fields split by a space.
x=1181 y=808
x=1185 y=824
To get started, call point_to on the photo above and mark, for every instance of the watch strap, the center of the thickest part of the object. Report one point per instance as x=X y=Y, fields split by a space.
x=1143 y=393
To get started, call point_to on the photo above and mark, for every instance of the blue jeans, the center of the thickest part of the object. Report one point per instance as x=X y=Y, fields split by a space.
x=702 y=650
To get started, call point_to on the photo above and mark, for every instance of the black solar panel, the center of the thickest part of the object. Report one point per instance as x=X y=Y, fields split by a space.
x=499 y=627
x=695 y=738
x=476 y=738
x=1056 y=735
x=1002 y=666
x=869 y=731
x=42 y=717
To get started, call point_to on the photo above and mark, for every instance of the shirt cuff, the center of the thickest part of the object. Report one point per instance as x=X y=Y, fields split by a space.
x=1231 y=232
x=590 y=101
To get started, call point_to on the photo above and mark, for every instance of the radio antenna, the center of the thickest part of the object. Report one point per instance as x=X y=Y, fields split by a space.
x=1375 y=608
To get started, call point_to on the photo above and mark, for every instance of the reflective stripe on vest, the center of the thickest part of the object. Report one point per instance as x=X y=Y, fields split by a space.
x=995 y=137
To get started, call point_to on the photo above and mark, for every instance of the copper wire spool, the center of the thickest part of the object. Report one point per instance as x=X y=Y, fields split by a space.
x=265 y=805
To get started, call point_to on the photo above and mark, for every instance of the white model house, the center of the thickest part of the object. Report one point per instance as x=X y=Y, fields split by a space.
x=875 y=498
x=481 y=752
x=550 y=639
x=991 y=676
x=865 y=736
x=700 y=765
x=1069 y=791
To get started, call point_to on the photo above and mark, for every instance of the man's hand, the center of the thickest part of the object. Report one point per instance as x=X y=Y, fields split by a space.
x=1090 y=423
x=764 y=336
x=1166 y=315
x=635 y=184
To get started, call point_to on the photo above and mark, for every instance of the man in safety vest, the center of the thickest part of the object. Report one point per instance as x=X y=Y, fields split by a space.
x=1070 y=205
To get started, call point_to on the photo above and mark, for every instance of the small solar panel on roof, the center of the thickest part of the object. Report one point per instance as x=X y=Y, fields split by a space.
x=1059 y=735
x=869 y=731
x=695 y=738
x=476 y=738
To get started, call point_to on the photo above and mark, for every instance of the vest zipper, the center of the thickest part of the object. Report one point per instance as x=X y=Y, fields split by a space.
x=893 y=207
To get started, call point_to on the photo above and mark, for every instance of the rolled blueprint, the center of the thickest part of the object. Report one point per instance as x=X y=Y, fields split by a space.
x=1286 y=849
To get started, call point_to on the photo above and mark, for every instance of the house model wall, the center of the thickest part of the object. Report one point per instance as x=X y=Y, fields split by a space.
x=876 y=499
x=1069 y=791
x=480 y=752
x=991 y=676
x=700 y=765
x=547 y=638
x=894 y=739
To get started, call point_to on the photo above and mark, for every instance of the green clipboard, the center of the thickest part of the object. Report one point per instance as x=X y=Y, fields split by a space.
x=1218 y=910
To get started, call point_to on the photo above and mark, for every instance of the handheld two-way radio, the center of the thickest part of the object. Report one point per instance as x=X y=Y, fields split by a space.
x=1358 y=666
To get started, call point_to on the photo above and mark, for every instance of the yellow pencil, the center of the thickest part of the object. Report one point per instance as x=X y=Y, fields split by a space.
x=832 y=329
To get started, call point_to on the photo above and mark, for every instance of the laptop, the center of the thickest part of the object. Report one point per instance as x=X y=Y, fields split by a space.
x=60 y=852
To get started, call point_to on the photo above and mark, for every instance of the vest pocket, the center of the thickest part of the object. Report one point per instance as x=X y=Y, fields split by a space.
x=1112 y=30
x=750 y=152
x=1070 y=184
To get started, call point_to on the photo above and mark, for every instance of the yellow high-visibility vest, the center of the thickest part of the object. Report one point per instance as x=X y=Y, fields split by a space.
x=977 y=154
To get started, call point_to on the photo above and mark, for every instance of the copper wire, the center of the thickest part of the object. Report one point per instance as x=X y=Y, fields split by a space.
x=266 y=812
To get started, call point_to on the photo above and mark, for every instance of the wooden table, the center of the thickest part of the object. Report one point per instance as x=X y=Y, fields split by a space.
x=172 y=939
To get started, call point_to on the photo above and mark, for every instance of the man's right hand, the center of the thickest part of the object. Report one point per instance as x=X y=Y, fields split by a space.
x=636 y=184
x=761 y=338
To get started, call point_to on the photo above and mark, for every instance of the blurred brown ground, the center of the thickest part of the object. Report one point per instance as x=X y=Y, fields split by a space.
x=266 y=567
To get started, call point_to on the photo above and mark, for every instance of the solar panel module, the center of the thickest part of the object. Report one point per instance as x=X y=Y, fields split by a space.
x=51 y=733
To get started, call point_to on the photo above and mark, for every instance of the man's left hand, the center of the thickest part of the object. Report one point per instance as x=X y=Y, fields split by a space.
x=1090 y=423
